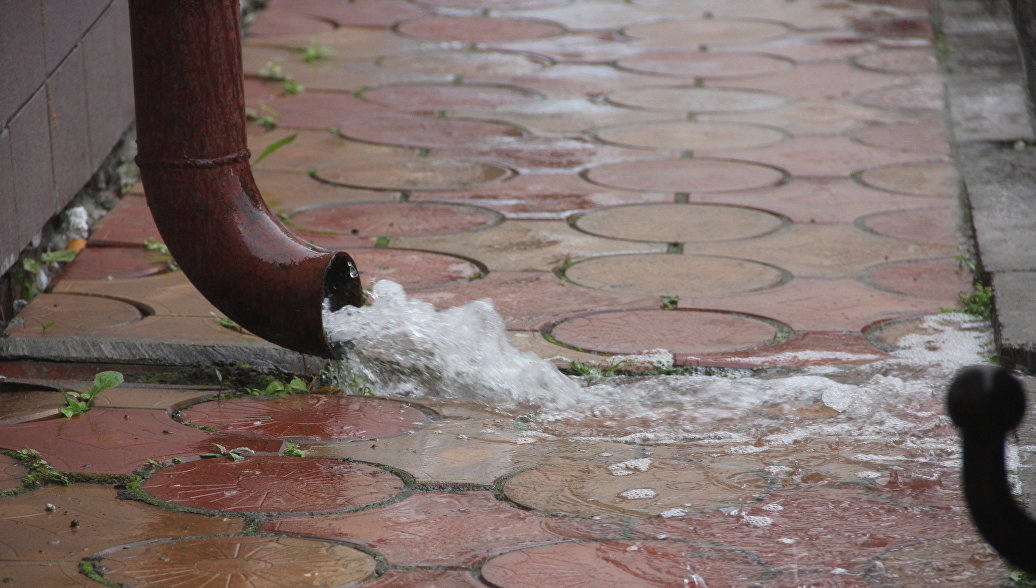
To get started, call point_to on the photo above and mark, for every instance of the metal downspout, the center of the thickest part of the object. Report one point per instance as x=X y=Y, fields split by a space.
x=193 y=159
x=987 y=403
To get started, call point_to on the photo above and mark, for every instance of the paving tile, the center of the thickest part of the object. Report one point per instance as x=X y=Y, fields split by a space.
x=692 y=33
x=818 y=156
x=683 y=223
x=477 y=29
x=285 y=192
x=116 y=441
x=704 y=65
x=541 y=196
x=826 y=527
x=899 y=61
x=394 y=218
x=287 y=23
x=938 y=279
x=470 y=451
x=623 y=563
x=544 y=154
x=571 y=112
x=804 y=15
x=322 y=110
x=160 y=397
x=820 y=200
x=936 y=224
x=822 y=304
x=406 y=173
x=490 y=4
x=642 y=487
x=533 y=342
x=465 y=63
x=518 y=245
x=415 y=270
x=307 y=417
x=819 y=81
x=685 y=276
x=414 y=131
x=685 y=175
x=432 y=98
x=926 y=94
x=895 y=26
x=359 y=13
x=45 y=573
x=579 y=46
x=695 y=99
x=530 y=300
x=97 y=263
x=813 y=117
x=426 y=578
x=66 y=315
x=169 y=294
x=956 y=561
x=924 y=137
x=233 y=561
x=678 y=135
x=845 y=250
x=935 y=178
x=33 y=533
x=349 y=44
x=817 y=46
x=11 y=472
x=25 y=401
x=315 y=150
x=128 y=224
x=453 y=528
x=592 y=15
x=805 y=348
x=272 y=484
x=679 y=332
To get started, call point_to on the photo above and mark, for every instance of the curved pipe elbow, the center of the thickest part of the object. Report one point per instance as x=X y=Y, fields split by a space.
x=193 y=156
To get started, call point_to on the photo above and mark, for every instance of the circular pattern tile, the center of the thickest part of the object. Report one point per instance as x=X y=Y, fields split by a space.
x=704 y=64
x=21 y=403
x=914 y=179
x=690 y=135
x=677 y=331
x=694 y=99
x=11 y=473
x=646 y=488
x=307 y=417
x=67 y=315
x=492 y=4
x=236 y=561
x=899 y=61
x=436 y=97
x=413 y=269
x=391 y=219
x=414 y=131
x=685 y=276
x=678 y=223
x=919 y=95
x=923 y=137
x=272 y=484
x=98 y=263
x=622 y=563
x=695 y=32
x=957 y=561
x=685 y=175
x=924 y=225
x=466 y=63
x=938 y=279
x=412 y=174
x=477 y=29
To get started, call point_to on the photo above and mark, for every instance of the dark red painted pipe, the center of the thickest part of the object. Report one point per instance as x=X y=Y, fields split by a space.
x=193 y=159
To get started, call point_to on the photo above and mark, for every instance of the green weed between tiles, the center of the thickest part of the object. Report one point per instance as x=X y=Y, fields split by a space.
x=31 y=269
x=264 y=116
x=153 y=244
x=272 y=147
x=226 y=323
x=979 y=303
x=274 y=72
x=1020 y=579
x=670 y=302
x=235 y=454
x=76 y=403
x=315 y=52
x=292 y=450
x=40 y=472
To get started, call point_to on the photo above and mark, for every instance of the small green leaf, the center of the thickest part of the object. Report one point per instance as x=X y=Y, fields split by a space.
x=59 y=256
x=274 y=147
x=68 y=411
x=31 y=265
x=47 y=325
x=105 y=380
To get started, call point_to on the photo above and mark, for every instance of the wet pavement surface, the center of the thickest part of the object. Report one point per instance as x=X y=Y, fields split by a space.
x=744 y=185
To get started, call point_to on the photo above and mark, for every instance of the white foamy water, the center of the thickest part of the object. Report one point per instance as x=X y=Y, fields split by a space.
x=407 y=348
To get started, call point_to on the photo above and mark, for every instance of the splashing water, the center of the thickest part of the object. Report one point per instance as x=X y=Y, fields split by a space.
x=408 y=348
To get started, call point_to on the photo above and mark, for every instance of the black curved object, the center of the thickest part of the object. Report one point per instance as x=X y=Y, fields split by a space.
x=986 y=403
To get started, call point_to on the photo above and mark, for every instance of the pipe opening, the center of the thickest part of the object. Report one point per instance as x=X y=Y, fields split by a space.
x=342 y=283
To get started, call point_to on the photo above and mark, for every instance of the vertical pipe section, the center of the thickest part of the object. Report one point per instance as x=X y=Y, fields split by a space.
x=987 y=403
x=193 y=159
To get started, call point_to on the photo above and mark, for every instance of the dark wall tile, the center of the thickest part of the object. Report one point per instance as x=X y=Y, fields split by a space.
x=21 y=54
x=32 y=172
x=69 y=128
x=8 y=222
x=109 y=98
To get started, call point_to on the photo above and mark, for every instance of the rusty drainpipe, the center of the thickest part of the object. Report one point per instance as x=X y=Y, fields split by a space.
x=193 y=159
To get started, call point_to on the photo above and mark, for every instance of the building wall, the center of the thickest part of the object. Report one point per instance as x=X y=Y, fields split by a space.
x=66 y=98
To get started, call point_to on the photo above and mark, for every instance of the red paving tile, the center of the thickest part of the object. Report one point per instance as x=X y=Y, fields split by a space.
x=97 y=263
x=307 y=418
x=65 y=315
x=543 y=154
x=358 y=13
x=623 y=563
x=679 y=332
x=466 y=63
x=693 y=33
x=924 y=225
x=11 y=473
x=476 y=29
x=128 y=224
x=819 y=156
x=117 y=441
x=456 y=528
x=704 y=65
x=924 y=137
x=941 y=279
x=425 y=579
x=430 y=98
x=405 y=174
x=413 y=269
x=922 y=95
x=685 y=175
x=899 y=61
x=694 y=99
x=394 y=219
x=272 y=484
x=233 y=561
x=820 y=81
x=678 y=223
x=428 y=131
